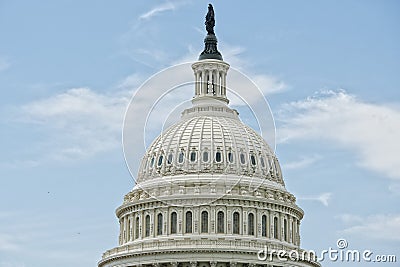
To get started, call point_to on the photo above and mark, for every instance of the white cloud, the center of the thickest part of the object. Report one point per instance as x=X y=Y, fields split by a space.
x=167 y=6
x=382 y=227
x=323 y=198
x=301 y=163
x=371 y=130
x=78 y=122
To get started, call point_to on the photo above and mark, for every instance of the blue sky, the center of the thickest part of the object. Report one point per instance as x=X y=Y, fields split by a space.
x=329 y=70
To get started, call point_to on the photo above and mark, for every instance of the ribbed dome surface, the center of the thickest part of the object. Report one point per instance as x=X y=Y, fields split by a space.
x=210 y=139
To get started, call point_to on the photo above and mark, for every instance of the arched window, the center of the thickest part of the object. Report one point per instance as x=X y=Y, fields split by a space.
x=236 y=222
x=204 y=222
x=181 y=157
x=170 y=158
x=285 y=235
x=230 y=157
x=250 y=222
x=218 y=156
x=205 y=156
x=262 y=161
x=242 y=158
x=160 y=160
x=253 y=160
x=137 y=228
x=220 y=222
x=159 y=224
x=147 y=224
x=152 y=162
x=193 y=156
x=188 y=222
x=173 y=222
x=264 y=225
x=275 y=227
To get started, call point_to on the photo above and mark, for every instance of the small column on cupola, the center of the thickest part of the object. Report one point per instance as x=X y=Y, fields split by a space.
x=210 y=70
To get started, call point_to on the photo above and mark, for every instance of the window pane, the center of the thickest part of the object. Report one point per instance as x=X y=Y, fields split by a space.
x=169 y=161
x=205 y=156
x=262 y=162
x=253 y=160
x=276 y=227
x=242 y=158
x=204 y=222
x=181 y=156
x=193 y=156
x=147 y=226
x=220 y=222
x=137 y=228
x=159 y=224
x=160 y=160
x=218 y=156
x=251 y=224
x=230 y=157
x=188 y=222
x=236 y=223
x=264 y=225
x=173 y=222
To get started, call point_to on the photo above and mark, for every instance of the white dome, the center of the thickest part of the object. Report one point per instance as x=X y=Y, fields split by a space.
x=210 y=139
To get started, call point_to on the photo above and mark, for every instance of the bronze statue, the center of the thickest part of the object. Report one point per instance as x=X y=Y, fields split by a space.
x=210 y=21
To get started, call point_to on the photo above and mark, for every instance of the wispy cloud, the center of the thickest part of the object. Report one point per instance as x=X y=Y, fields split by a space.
x=78 y=122
x=371 y=130
x=323 y=198
x=167 y=6
x=301 y=163
x=381 y=226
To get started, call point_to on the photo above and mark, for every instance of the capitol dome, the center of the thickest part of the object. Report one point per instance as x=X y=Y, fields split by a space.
x=210 y=139
x=209 y=190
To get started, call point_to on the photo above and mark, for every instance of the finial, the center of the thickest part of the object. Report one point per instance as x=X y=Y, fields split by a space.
x=210 y=42
x=210 y=20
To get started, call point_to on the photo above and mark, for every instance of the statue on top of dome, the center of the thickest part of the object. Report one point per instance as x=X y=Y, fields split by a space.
x=210 y=21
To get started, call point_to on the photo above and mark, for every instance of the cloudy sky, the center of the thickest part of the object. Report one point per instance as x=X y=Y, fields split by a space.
x=329 y=71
